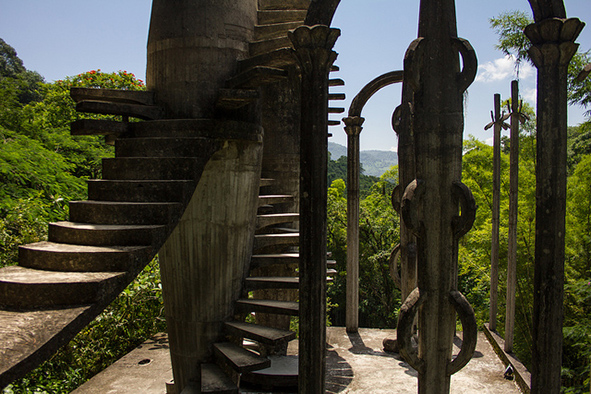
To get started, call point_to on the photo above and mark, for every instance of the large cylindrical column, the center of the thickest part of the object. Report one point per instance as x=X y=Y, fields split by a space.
x=193 y=46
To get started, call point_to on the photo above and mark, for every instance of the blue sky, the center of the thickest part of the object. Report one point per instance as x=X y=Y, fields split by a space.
x=58 y=38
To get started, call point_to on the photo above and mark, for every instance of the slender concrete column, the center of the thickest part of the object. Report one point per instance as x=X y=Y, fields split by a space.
x=496 y=208
x=552 y=49
x=353 y=129
x=313 y=48
x=513 y=212
x=193 y=46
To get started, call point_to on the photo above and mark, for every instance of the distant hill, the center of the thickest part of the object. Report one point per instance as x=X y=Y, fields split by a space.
x=374 y=162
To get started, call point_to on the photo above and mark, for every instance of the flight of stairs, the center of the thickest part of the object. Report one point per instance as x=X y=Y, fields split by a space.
x=62 y=284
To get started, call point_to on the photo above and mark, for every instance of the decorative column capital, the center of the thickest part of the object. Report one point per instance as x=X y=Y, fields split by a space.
x=553 y=41
x=313 y=47
x=353 y=125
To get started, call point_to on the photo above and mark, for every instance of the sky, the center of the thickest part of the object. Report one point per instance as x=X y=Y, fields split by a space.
x=59 y=38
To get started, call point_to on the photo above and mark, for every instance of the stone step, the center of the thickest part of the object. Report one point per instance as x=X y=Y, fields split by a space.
x=217 y=130
x=279 y=58
x=262 y=334
x=281 y=375
x=25 y=336
x=238 y=358
x=267 y=182
x=336 y=110
x=140 y=191
x=236 y=98
x=337 y=96
x=336 y=82
x=216 y=381
x=262 y=241
x=284 y=4
x=256 y=48
x=268 y=306
x=146 y=112
x=265 y=260
x=333 y=123
x=164 y=147
x=268 y=17
x=53 y=256
x=276 y=218
x=125 y=213
x=255 y=77
x=272 y=199
x=25 y=288
x=112 y=95
x=105 y=235
x=98 y=127
x=331 y=272
x=153 y=168
x=272 y=282
x=276 y=30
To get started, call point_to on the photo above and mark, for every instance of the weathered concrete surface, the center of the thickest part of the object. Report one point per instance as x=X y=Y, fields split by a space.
x=356 y=364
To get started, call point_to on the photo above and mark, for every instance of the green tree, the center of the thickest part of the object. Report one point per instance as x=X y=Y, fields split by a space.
x=510 y=25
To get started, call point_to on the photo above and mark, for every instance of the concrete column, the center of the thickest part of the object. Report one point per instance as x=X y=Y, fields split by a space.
x=313 y=48
x=513 y=211
x=353 y=129
x=496 y=208
x=552 y=49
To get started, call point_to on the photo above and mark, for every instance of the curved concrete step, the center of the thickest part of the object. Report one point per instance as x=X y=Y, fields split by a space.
x=146 y=112
x=279 y=58
x=153 y=168
x=29 y=337
x=216 y=381
x=164 y=147
x=284 y=4
x=80 y=258
x=256 y=77
x=113 y=212
x=275 y=199
x=236 y=98
x=268 y=306
x=262 y=241
x=272 y=282
x=265 y=335
x=140 y=190
x=276 y=218
x=264 y=260
x=256 y=48
x=283 y=372
x=216 y=129
x=25 y=288
x=275 y=30
x=238 y=358
x=104 y=234
x=112 y=95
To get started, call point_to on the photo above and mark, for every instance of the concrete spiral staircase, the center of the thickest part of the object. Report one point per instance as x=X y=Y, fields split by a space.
x=62 y=284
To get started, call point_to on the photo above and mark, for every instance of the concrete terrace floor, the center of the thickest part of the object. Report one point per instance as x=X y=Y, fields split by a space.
x=356 y=363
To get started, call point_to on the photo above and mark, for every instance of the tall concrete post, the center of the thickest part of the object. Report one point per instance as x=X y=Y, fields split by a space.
x=496 y=208
x=353 y=129
x=513 y=213
x=313 y=48
x=431 y=203
x=552 y=37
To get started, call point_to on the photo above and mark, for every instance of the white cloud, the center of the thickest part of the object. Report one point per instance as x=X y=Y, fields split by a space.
x=531 y=95
x=393 y=149
x=503 y=69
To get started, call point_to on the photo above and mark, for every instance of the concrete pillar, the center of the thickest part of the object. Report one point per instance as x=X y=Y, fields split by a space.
x=313 y=48
x=193 y=46
x=513 y=212
x=496 y=208
x=353 y=129
x=552 y=49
